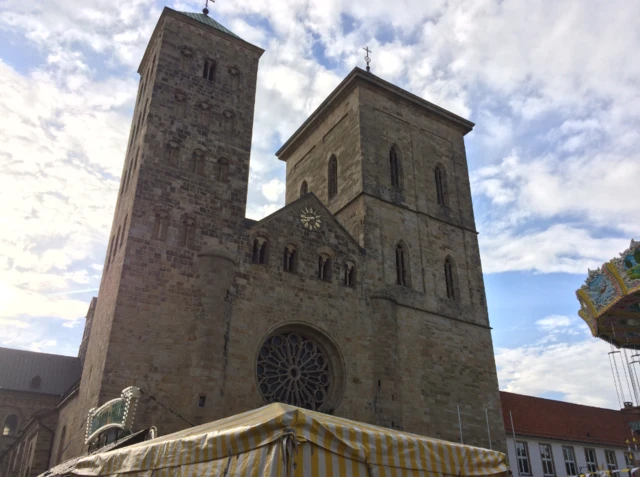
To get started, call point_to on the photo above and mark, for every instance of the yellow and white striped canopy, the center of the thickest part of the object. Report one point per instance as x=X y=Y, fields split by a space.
x=281 y=440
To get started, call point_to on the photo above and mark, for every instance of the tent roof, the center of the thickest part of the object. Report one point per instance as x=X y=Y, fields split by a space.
x=249 y=439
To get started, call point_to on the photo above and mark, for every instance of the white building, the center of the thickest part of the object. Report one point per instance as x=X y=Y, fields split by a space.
x=560 y=439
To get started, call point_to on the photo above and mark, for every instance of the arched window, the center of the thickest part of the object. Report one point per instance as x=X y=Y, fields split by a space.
x=333 y=177
x=304 y=188
x=118 y=239
x=394 y=166
x=135 y=161
x=349 y=274
x=402 y=265
x=171 y=153
x=260 y=253
x=450 y=278
x=324 y=267
x=198 y=162
x=63 y=436
x=223 y=169
x=209 y=71
x=441 y=185
x=290 y=263
x=161 y=226
x=10 y=425
x=110 y=254
x=188 y=232
x=228 y=121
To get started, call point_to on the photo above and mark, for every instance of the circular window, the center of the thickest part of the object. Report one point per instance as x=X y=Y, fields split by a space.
x=295 y=368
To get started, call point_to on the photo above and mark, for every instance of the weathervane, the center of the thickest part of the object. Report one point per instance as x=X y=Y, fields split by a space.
x=205 y=10
x=366 y=58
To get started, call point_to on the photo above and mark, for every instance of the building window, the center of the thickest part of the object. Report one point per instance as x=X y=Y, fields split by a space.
x=349 y=274
x=628 y=459
x=569 y=460
x=188 y=232
x=35 y=382
x=324 y=267
x=260 y=253
x=612 y=463
x=402 y=265
x=198 y=162
x=209 y=71
x=592 y=462
x=522 y=454
x=546 y=456
x=223 y=169
x=304 y=188
x=110 y=254
x=450 y=278
x=333 y=177
x=441 y=185
x=290 y=259
x=171 y=153
x=394 y=165
x=161 y=226
x=10 y=425
x=294 y=367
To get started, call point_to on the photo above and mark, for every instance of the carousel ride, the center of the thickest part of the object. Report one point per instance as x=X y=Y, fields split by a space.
x=610 y=305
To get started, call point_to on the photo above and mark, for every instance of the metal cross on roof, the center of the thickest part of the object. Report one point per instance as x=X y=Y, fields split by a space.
x=205 y=10
x=366 y=58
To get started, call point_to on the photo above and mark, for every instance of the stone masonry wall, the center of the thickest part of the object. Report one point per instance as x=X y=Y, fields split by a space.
x=24 y=405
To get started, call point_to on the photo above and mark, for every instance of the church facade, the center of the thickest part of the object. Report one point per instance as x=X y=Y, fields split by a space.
x=362 y=297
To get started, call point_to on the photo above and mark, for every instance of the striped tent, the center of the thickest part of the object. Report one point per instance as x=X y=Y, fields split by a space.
x=281 y=440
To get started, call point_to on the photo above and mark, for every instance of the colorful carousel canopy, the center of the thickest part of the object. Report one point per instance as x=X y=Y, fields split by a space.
x=610 y=299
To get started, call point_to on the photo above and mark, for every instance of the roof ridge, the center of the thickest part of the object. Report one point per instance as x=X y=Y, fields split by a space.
x=559 y=401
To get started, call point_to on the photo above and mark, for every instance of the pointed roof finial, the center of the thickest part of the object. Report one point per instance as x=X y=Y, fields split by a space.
x=366 y=58
x=205 y=10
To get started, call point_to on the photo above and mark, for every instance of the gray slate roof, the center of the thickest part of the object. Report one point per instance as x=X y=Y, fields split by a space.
x=207 y=20
x=57 y=373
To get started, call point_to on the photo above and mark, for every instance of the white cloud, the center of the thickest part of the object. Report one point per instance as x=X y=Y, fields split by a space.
x=579 y=371
x=42 y=345
x=554 y=322
x=274 y=190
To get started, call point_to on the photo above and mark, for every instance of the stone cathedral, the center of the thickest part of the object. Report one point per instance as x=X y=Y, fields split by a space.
x=362 y=297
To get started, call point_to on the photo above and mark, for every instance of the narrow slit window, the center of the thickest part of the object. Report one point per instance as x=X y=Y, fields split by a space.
x=402 y=275
x=209 y=70
x=450 y=278
x=394 y=166
x=304 y=188
x=441 y=182
x=333 y=177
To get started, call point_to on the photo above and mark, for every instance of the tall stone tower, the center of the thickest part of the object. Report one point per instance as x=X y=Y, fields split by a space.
x=184 y=185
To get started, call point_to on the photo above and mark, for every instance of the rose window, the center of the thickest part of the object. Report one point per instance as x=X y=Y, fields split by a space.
x=295 y=370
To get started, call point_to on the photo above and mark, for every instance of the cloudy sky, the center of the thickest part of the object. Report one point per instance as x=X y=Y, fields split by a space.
x=552 y=86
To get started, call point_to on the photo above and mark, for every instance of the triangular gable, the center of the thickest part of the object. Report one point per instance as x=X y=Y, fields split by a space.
x=308 y=199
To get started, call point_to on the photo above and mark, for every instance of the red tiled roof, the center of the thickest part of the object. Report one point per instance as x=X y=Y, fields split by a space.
x=538 y=417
